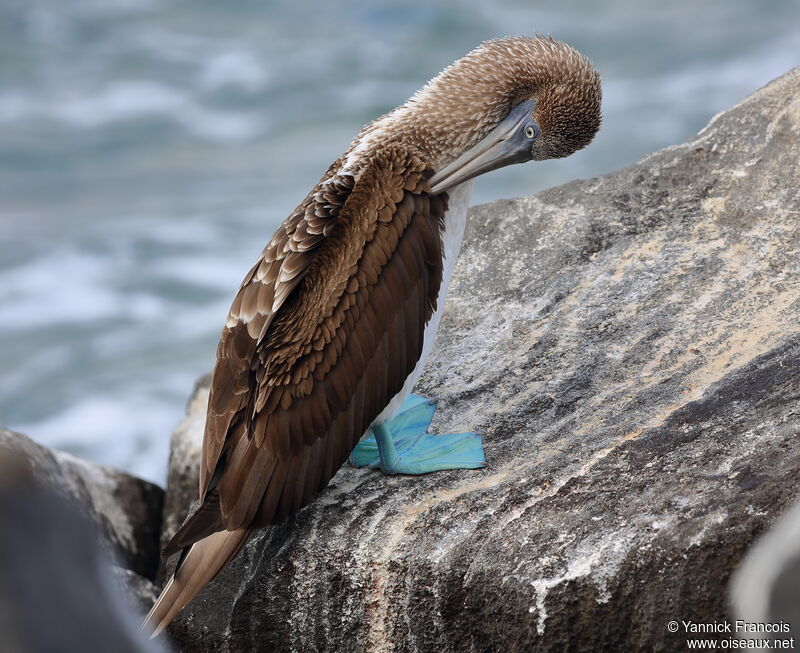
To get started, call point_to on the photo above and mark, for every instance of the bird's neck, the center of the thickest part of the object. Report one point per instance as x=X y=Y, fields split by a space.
x=458 y=107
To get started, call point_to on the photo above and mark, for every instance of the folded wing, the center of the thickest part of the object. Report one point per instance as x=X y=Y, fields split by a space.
x=322 y=334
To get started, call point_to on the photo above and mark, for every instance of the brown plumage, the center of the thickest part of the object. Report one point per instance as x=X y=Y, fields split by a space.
x=330 y=323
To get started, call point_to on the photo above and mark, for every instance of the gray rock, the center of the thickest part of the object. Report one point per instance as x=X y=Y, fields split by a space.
x=125 y=509
x=183 y=482
x=140 y=591
x=766 y=588
x=57 y=592
x=630 y=347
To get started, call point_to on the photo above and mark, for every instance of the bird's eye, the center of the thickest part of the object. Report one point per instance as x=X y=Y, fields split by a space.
x=530 y=131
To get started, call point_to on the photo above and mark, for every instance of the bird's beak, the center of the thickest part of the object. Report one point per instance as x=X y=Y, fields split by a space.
x=505 y=144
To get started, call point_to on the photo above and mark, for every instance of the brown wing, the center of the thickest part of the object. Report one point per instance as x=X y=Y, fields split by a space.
x=294 y=390
x=266 y=286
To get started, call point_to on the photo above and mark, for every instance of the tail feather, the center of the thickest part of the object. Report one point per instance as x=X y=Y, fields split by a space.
x=196 y=570
x=204 y=521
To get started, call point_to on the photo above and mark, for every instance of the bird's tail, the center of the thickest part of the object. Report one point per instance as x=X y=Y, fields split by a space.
x=197 y=568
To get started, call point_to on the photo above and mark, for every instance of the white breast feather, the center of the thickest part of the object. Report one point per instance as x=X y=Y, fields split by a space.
x=454 y=222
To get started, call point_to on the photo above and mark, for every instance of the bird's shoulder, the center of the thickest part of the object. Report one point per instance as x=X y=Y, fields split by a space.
x=289 y=319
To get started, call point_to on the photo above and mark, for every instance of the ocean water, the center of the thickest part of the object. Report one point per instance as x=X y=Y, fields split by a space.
x=149 y=148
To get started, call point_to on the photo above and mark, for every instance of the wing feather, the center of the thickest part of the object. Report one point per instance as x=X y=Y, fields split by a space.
x=340 y=299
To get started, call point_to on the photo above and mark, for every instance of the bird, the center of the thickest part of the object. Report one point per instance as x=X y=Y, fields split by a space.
x=331 y=327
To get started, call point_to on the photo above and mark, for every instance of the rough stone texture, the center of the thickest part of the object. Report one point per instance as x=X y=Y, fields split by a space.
x=630 y=347
x=126 y=509
x=140 y=592
x=186 y=446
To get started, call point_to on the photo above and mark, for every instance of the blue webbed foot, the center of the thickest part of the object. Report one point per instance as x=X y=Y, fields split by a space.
x=414 y=418
x=403 y=446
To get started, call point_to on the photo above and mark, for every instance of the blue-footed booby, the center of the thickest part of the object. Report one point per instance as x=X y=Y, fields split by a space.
x=331 y=327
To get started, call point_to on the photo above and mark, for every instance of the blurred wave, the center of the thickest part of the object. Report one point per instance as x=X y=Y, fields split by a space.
x=150 y=147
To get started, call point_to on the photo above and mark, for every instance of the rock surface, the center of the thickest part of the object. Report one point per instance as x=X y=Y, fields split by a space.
x=57 y=588
x=140 y=592
x=184 y=459
x=630 y=347
x=125 y=509
x=766 y=587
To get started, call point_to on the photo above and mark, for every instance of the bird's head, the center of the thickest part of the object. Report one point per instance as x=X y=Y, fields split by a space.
x=508 y=101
